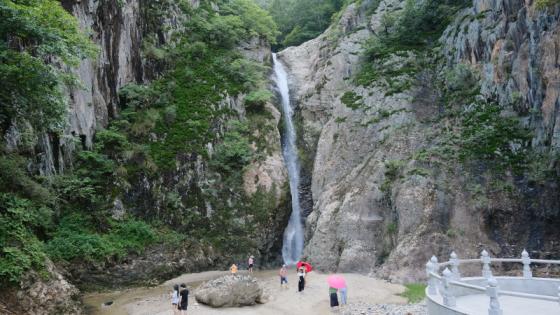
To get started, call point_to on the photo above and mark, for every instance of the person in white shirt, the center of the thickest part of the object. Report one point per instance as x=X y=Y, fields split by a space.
x=175 y=299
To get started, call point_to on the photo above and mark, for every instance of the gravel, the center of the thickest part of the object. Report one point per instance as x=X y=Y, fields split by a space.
x=383 y=309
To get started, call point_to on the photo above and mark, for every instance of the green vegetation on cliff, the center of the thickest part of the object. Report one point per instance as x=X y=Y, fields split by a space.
x=541 y=4
x=32 y=32
x=302 y=20
x=408 y=46
x=31 y=98
x=163 y=125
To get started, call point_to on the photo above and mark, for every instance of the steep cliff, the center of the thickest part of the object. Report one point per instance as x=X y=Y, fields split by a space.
x=130 y=35
x=169 y=161
x=403 y=164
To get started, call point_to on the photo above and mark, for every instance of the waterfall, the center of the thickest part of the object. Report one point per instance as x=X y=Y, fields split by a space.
x=293 y=235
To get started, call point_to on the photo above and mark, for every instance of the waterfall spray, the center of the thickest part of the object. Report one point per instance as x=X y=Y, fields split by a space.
x=293 y=235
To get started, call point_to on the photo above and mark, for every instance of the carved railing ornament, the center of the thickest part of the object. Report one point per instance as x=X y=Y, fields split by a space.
x=442 y=286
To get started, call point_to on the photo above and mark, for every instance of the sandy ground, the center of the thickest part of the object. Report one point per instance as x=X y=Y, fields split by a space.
x=314 y=300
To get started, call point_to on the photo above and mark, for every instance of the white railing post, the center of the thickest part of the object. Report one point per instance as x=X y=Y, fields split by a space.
x=559 y=294
x=486 y=271
x=448 y=298
x=432 y=290
x=492 y=292
x=435 y=263
x=435 y=269
x=455 y=266
x=527 y=274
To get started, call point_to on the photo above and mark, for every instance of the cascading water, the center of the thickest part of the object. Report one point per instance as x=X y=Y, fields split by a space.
x=293 y=235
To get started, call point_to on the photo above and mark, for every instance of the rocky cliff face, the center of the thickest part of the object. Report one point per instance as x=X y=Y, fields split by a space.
x=120 y=29
x=42 y=297
x=377 y=206
x=123 y=30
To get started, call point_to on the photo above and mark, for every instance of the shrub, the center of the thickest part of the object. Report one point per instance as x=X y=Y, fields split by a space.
x=20 y=249
x=95 y=165
x=111 y=143
x=234 y=153
x=415 y=292
x=248 y=73
x=256 y=100
x=88 y=247
x=14 y=178
x=543 y=4
x=488 y=136
x=352 y=100
x=137 y=96
x=77 y=237
x=419 y=25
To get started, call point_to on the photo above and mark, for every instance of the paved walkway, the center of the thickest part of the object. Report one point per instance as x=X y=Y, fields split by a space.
x=477 y=304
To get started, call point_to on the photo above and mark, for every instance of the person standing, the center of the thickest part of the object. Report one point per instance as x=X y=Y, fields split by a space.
x=233 y=269
x=251 y=262
x=301 y=279
x=283 y=273
x=175 y=299
x=343 y=295
x=333 y=297
x=184 y=299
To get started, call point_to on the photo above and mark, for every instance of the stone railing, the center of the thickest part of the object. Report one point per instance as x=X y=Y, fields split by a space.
x=447 y=288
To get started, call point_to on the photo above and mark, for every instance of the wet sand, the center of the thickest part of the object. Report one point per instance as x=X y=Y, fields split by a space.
x=314 y=300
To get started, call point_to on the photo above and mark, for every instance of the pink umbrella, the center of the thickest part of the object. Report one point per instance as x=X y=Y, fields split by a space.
x=336 y=281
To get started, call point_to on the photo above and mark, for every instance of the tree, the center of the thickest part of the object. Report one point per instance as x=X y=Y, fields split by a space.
x=33 y=33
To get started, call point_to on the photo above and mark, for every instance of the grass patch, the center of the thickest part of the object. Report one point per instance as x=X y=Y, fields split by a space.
x=415 y=292
x=352 y=100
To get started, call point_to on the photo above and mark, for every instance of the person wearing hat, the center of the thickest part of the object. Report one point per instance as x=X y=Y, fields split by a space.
x=283 y=273
x=251 y=262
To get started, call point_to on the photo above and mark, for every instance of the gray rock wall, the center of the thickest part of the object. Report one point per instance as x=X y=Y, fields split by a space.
x=367 y=219
x=516 y=47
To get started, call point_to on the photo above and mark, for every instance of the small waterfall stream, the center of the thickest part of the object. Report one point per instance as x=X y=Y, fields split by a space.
x=293 y=235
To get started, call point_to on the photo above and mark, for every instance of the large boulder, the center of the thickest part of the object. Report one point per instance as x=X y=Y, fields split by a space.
x=231 y=290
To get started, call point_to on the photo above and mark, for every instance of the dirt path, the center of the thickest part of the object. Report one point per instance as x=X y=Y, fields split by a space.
x=314 y=300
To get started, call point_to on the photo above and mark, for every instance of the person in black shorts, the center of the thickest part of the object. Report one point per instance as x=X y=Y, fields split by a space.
x=184 y=299
x=301 y=279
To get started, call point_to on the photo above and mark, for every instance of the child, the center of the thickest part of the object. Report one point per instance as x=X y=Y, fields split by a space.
x=233 y=269
x=283 y=273
x=251 y=261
